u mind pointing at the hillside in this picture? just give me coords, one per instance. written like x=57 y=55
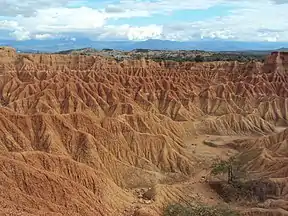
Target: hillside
x=87 y=135
x=170 y=55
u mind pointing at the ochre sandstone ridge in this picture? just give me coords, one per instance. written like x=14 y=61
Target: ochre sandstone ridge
x=79 y=133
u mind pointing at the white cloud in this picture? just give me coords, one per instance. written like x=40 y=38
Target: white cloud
x=55 y=21
x=8 y=24
x=90 y=22
x=145 y=32
x=249 y=20
x=27 y=7
x=21 y=34
x=17 y=31
x=131 y=32
x=164 y=6
x=63 y=20
x=43 y=36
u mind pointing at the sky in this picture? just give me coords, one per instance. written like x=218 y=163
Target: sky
x=178 y=20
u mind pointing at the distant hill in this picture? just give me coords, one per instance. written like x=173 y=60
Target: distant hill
x=283 y=49
x=56 y=45
x=255 y=52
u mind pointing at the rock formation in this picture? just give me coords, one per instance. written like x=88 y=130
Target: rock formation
x=78 y=133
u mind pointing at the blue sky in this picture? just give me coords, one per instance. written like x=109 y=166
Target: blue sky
x=243 y=20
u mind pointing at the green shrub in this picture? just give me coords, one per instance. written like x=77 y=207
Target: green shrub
x=231 y=192
x=199 y=58
x=237 y=186
x=142 y=50
x=230 y=167
x=198 y=210
x=220 y=167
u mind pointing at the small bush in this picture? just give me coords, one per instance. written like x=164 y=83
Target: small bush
x=107 y=49
x=230 y=167
x=198 y=210
x=220 y=168
x=199 y=58
x=141 y=50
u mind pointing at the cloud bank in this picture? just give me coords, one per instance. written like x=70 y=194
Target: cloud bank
x=258 y=20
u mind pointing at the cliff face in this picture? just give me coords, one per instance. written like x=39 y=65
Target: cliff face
x=75 y=131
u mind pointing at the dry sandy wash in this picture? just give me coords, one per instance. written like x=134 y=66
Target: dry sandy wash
x=84 y=135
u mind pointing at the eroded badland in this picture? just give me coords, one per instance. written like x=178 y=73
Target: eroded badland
x=85 y=135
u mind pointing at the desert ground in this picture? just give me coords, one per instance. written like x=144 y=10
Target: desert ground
x=88 y=135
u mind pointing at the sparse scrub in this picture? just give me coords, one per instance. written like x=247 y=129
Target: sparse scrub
x=238 y=186
x=223 y=167
x=161 y=55
x=107 y=50
x=236 y=191
x=141 y=50
x=198 y=210
x=199 y=58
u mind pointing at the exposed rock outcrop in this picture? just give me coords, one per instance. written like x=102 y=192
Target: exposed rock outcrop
x=75 y=131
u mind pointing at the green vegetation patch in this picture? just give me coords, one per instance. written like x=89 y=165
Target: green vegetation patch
x=238 y=184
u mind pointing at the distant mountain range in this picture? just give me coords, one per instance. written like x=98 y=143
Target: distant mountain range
x=55 y=45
